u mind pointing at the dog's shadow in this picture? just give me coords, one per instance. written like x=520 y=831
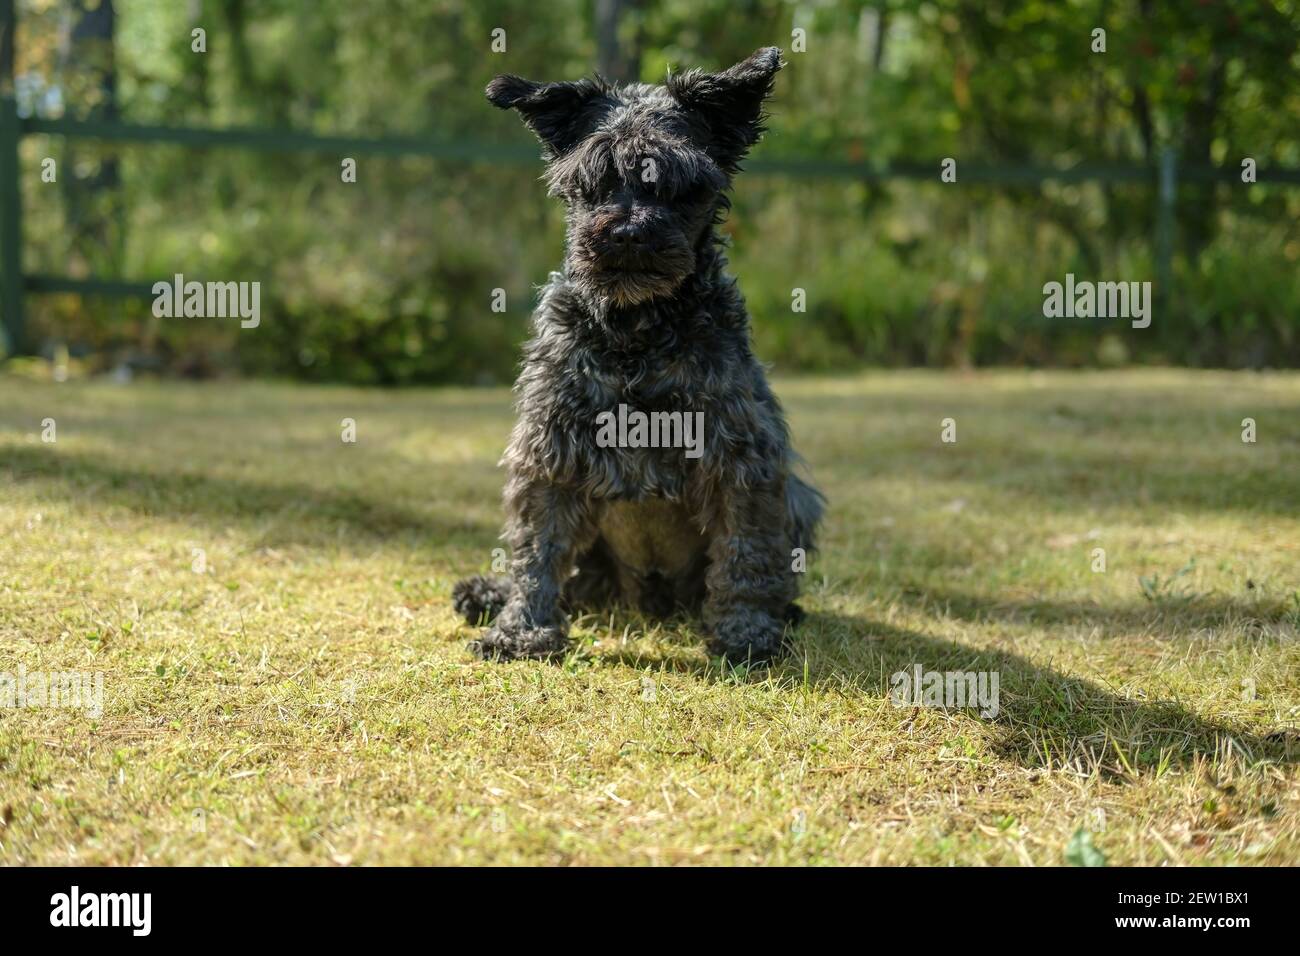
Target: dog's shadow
x=1045 y=717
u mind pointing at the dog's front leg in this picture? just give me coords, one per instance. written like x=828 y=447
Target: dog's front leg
x=749 y=582
x=548 y=525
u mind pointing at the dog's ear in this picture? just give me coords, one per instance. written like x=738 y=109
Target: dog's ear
x=731 y=102
x=554 y=111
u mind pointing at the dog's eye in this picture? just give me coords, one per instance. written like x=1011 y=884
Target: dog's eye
x=696 y=193
x=594 y=192
x=588 y=195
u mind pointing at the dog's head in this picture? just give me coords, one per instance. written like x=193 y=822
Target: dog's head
x=643 y=169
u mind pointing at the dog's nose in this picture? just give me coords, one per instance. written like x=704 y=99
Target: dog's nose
x=628 y=236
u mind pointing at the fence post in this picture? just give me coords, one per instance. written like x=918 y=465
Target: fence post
x=11 y=255
x=11 y=230
x=1167 y=197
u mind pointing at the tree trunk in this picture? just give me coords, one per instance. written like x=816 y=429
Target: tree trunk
x=618 y=56
x=89 y=74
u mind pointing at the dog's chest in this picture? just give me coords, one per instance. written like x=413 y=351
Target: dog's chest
x=648 y=430
x=651 y=535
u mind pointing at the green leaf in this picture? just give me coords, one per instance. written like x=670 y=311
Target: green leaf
x=1082 y=852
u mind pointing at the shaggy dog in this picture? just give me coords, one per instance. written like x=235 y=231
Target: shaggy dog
x=650 y=464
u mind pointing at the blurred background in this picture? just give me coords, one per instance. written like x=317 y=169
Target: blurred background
x=1060 y=154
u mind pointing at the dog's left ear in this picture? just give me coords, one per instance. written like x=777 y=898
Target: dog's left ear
x=554 y=111
x=730 y=102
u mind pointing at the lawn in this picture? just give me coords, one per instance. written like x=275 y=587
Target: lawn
x=284 y=680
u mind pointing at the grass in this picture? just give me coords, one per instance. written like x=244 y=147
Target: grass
x=305 y=696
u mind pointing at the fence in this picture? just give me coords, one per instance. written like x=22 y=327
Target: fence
x=15 y=284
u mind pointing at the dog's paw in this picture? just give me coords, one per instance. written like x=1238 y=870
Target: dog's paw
x=751 y=637
x=509 y=643
x=479 y=600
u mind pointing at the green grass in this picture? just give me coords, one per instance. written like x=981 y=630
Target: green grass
x=310 y=693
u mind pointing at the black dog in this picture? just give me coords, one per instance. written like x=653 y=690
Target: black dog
x=696 y=504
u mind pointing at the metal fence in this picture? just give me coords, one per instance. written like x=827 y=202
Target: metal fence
x=15 y=284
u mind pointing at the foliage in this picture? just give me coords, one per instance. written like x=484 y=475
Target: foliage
x=391 y=279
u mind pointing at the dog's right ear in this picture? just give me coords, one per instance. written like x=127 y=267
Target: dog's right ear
x=556 y=112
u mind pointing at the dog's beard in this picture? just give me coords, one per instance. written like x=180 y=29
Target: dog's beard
x=622 y=282
x=622 y=289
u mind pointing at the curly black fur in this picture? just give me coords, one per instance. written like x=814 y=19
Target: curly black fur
x=643 y=314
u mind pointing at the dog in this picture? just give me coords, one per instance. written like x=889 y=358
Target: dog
x=643 y=320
